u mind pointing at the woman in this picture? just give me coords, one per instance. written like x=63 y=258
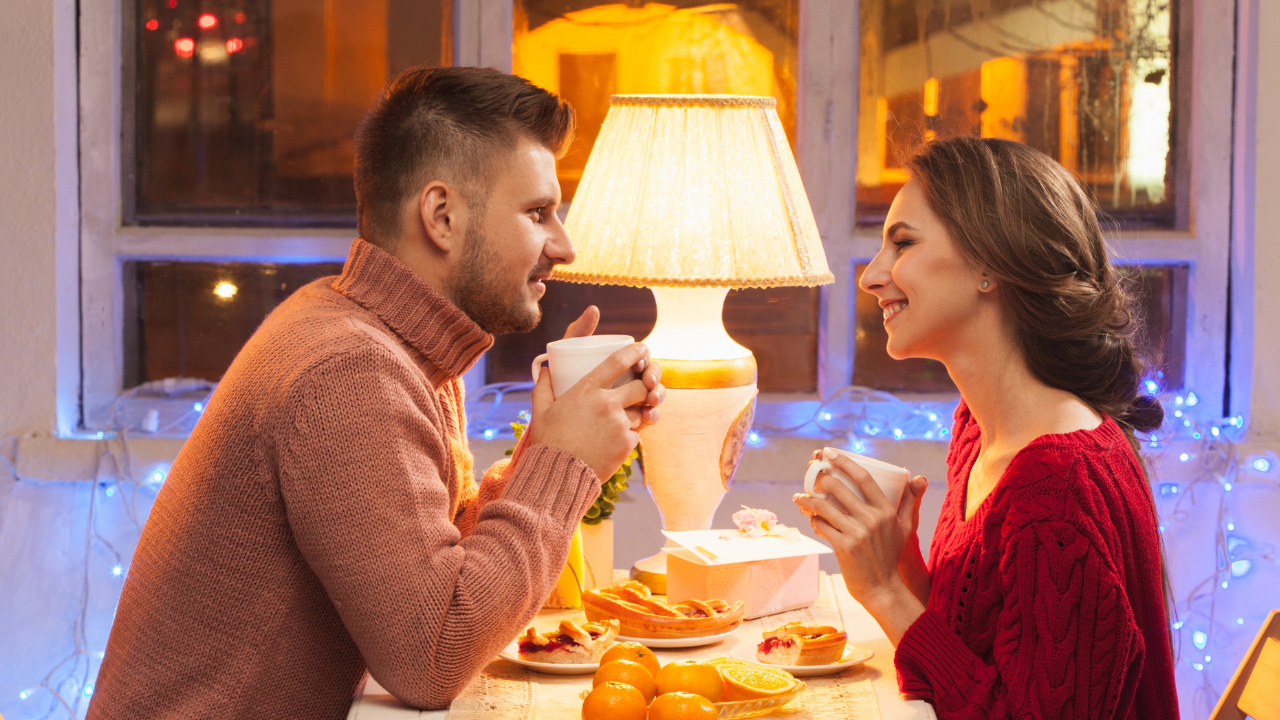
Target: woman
x=1043 y=596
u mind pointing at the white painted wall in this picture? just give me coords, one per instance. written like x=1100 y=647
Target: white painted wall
x=42 y=519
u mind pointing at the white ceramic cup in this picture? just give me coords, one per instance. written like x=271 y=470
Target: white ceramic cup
x=572 y=358
x=891 y=478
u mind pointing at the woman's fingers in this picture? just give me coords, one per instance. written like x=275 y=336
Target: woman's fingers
x=860 y=477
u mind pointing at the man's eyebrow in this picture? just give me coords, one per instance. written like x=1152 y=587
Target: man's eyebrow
x=894 y=228
x=543 y=201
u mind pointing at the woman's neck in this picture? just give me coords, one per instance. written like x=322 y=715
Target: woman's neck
x=1011 y=406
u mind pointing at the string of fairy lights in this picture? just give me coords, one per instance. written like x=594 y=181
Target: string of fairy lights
x=1194 y=452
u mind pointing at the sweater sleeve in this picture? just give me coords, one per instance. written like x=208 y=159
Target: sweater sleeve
x=361 y=477
x=1067 y=644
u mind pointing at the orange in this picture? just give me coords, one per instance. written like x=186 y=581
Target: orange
x=614 y=701
x=633 y=651
x=682 y=706
x=690 y=676
x=628 y=673
x=747 y=682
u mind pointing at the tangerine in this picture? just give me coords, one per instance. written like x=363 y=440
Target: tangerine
x=682 y=706
x=614 y=701
x=690 y=676
x=635 y=652
x=748 y=682
x=628 y=673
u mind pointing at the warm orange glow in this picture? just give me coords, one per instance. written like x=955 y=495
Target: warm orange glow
x=235 y=45
x=225 y=290
x=184 y=47
x=153 y=24
x=207 y=21
x=240 y=18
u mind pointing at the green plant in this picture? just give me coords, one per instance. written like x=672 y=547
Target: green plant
x=609 y=491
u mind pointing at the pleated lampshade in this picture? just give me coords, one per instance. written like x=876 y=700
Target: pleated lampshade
x=693 y=191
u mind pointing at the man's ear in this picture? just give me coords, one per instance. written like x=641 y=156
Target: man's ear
x=442 y=214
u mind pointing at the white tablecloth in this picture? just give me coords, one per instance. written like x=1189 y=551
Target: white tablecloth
x=375 y=703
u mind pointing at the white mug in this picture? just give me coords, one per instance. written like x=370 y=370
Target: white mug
x=891 y=478
x=572 y=358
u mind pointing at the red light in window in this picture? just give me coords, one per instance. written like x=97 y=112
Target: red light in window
x=185 y=47
x=240 y=17
x=153 y=24
x=207 y=21
x=235 y=45
x=173 y=3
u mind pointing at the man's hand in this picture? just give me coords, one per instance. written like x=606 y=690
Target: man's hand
x=593 y=421
x=585 y=324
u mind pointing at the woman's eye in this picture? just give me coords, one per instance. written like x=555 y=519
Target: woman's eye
x=902 y=244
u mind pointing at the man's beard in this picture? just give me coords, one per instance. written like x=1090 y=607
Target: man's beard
x=481 y=294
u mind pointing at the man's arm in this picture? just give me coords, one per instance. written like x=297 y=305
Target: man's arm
x=361 y=477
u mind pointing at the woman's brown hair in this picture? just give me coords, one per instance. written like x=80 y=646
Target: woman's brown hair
x=1026 y=222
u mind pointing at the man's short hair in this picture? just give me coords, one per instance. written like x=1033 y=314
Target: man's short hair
x=446 y=124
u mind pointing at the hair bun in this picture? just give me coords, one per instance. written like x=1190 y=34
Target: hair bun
x=1146 y=413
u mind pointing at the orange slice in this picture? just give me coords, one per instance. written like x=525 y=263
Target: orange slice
x=749 y=682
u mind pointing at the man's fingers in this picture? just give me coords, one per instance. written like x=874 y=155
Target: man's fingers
x=649 y=415
x=607 y=372
x=651 y=374
x=632 y=393
x=585 y=324
x=636 y=417
x=542 y=395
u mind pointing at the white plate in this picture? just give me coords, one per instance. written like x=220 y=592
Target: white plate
x=512 y=653
x=685 y=642
x=852 y=656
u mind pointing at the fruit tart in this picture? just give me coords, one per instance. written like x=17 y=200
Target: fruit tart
x=796 y=644
x=571 y=643
x=643 y=616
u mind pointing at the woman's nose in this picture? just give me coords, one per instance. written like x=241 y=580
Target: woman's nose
x=876 y=275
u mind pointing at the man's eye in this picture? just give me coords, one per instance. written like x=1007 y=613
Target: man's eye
x=538 y=214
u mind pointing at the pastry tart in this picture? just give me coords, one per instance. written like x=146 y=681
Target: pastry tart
x=643 y=616
x=572 y=643
x=796 y=644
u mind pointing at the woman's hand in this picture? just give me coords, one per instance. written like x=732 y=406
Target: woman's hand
x=869 y=539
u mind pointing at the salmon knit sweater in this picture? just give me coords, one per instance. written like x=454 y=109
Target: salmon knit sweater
x=1048 y=601
x=322 y=519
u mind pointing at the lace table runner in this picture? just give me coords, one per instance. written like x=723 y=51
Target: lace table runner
x=506 y=691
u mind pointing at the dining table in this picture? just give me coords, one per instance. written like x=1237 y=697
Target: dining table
x=505 y=690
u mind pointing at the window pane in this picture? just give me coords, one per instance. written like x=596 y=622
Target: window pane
x=190 y=319
x=778 y=325
x=1087 y=83
x=1161 y=295
x=246 y=109
x=587 y=50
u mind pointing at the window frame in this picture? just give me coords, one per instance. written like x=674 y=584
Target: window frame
x=827 y=96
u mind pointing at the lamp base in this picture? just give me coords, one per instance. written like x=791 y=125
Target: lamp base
x=652 y=572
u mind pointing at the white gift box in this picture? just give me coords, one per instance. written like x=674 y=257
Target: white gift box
x=767 y=574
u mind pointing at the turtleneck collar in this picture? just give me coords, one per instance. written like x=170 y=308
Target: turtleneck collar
x=422 y=317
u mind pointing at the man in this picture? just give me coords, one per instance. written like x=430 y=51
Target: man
x=322 y=519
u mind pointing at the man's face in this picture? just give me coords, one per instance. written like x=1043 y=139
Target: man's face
x=512 y=242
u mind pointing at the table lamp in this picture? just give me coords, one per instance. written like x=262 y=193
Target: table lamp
x=689 y=196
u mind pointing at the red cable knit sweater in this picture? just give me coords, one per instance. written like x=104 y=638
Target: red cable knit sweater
x=322 y=519
x=1048 y=602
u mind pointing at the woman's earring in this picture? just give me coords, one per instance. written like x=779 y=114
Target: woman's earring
x=986 y=285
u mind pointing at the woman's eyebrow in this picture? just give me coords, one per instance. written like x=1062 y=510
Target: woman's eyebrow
x=894 y=228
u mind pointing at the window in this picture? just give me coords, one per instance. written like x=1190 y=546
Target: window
x=235 y=160
x=246 y=109
x=1086 y=83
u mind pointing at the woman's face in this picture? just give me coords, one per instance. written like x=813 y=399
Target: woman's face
x=929 y=293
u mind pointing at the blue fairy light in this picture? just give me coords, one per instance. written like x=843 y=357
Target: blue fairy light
x=1240 y=568
x=1226 y=487
x=24 y=694
x=1262 y=465
x=897 y=433
x=117 y=571
x=198 y=407
x=1214 y=431
x=488 y=434
x=1152 y=387
x=1199 y=639
x=157 y=477
x=859 y=448
x=1197 y=666
x=88 y=690
x=1184 y=457
x=1239 y=621
x=753 y=438
x=1177 y=625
